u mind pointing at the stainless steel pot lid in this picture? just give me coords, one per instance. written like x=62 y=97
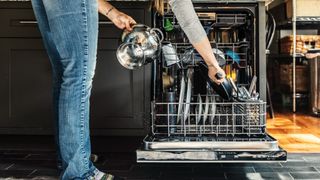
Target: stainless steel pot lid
x=130 y=55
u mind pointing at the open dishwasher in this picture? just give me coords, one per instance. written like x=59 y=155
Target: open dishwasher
x=190 y=120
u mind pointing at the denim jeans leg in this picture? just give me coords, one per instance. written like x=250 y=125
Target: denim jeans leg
x=42 y=20
x=73 y=29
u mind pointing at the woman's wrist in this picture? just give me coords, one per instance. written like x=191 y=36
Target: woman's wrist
x=213 y=64
x=109 y=11
x=105 y=8
x=112 y=14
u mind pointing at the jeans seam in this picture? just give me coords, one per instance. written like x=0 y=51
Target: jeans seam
x=85 y=164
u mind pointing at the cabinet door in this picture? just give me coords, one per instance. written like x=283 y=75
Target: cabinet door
x=27 y=103
x=118 y=101
x=4 y=84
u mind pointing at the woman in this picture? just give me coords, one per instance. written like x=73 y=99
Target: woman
x=70 y=33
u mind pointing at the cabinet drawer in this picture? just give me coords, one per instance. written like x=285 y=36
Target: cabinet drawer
x=18 y=23
x=22 y=23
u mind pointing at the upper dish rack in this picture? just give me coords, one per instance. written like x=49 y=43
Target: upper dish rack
x=185 y=56
x=219 y=20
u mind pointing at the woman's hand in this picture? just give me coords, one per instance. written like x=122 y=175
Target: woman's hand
x=213 y=70
x=121 y=20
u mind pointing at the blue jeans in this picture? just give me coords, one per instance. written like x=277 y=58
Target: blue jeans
x=70 y=33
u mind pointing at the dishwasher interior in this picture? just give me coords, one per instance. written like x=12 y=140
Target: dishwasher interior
x=190 y=122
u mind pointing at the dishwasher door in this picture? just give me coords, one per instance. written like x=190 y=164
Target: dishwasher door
x=210 y=150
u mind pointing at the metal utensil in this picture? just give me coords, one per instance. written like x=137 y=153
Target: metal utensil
x=172 y=118
x=235 y=88
x=252 y=85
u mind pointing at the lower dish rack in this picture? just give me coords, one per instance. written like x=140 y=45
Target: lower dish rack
x=220 y=132
x=208 y=116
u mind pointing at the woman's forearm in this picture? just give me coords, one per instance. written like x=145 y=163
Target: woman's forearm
x=204 y=49
x=105 y=8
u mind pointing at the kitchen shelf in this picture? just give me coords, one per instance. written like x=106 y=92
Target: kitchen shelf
x=284 y=24
x=302 y=23
x=286 y=55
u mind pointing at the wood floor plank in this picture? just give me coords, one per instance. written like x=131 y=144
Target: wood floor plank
x=296 y=132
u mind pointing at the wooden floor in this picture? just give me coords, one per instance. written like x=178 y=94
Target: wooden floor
x=296 y=132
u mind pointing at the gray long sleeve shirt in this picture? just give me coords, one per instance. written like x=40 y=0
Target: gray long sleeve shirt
x=188 y=19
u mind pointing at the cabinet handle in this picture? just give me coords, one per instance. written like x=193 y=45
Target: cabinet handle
x=28 y=22
x=35 y=22
x=105 y=22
